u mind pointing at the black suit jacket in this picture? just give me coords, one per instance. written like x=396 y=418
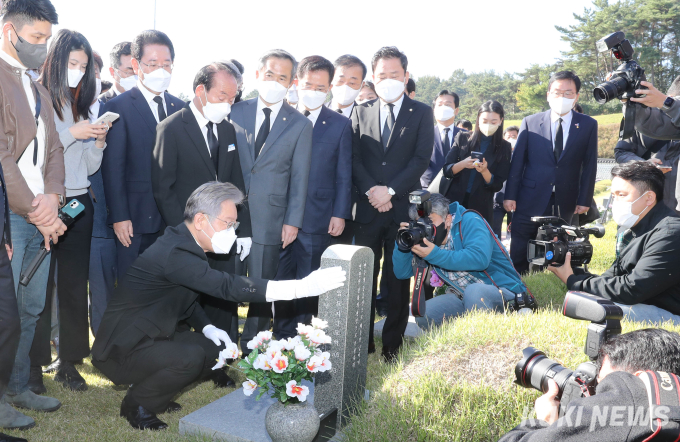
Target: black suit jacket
x=454 y=187
x=108 y=95
x=401 y=165
x=161 y=289
x=182 y=162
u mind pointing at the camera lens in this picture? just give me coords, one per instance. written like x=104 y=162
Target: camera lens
x=610 y=90
x=534 y=370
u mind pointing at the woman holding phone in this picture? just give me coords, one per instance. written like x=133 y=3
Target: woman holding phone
x=69 y=75
x=478 y=163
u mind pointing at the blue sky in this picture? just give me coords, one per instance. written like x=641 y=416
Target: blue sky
x=438 y=36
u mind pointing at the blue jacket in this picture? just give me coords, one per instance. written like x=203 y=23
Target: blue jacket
x=534 y=171
x=330 y=175
x=476 y=253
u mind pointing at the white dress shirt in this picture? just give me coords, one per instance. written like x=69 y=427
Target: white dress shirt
x=566 y=124
x=346 y=112
x=384 y=110
x=441 y=128
x=313 y=115
x=149 y=98
x=32 y=173
x=203 y=124
x=259 y=118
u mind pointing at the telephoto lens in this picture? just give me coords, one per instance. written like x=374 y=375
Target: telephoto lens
x=534 y=370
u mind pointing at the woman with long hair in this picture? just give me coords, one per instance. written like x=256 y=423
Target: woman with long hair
x=478 y=163
x=69 y=76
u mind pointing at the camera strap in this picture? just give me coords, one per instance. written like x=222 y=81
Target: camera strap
x=663 y=394
x=418 y=300
x=38 y=106
x=500 y=246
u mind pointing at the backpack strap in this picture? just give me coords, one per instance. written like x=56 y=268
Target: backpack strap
x=663 y=395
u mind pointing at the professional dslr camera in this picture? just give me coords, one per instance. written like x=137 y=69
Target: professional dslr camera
x=534 y=369
x=545 y=250
x=624 y=81
x=422 y=227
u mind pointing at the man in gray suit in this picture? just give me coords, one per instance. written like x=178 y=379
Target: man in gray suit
x=275 y=148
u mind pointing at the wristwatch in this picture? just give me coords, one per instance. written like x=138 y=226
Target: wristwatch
x=668 y=103
x=391 y=191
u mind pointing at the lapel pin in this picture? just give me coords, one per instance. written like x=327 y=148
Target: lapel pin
x=576 y=125
x=323 y=122
x=172 y=104
x=410 y=110
x=284 y=118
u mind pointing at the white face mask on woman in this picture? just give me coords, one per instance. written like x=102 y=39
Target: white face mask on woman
x=221 y=241
x=74 y=77
x=488 y=129
x=622 y=213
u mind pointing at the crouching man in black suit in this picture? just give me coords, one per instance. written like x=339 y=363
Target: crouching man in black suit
x=139 y=341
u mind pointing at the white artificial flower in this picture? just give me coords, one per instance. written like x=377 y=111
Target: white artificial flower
x=279 y=363
x=319 y=337
x=304 y=330
x=249 y=387
x=262 y=363
x=231 y=352
x=319 y=323
x=302 y=353
x=291 y=343
x=298 y=391
x=264 y=335
x=314 y=364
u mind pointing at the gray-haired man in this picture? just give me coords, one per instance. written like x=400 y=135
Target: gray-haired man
x=275 y=149
x=138 y=342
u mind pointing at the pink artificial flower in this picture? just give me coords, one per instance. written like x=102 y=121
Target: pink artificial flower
x=298 y=391
x=279 y=363
x=435 y=281
x=249 y=386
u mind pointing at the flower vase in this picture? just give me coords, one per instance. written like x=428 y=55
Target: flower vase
x=292 y=422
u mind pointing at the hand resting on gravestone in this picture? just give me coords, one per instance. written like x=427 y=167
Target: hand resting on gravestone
x=318 y=282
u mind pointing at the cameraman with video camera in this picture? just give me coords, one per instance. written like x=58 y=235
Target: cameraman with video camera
x=644 y=279
x=465 y=255
x=620 y=409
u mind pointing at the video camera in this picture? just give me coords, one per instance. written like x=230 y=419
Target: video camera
x=545 y=250
x=624 y=81
x=422 y=227
x=534 y=369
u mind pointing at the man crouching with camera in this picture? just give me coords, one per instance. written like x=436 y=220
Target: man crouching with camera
x=463 y=252
x=644 y=279
x=620 y=410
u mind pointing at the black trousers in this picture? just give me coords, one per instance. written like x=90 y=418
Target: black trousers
x=125 y=256
x=160 y=371
x=380 y=235
x=347 y=235
x=72 y=255
x=296 y=261
x=9 y=318
x=222 y=313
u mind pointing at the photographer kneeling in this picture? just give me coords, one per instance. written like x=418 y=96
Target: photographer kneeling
x=644 y=278
x=467 y=257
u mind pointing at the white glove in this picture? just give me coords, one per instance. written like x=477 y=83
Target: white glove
x=216 y=335
x=317 y=283
x=243 y=246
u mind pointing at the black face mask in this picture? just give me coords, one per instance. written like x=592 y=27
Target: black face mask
x=440 y=234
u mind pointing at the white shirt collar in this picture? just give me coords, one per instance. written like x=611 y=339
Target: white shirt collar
x=566 y=119
x=346 y=112
x=200 y=119
x=313 y=115
x=397 y=105
x=12 y=61
x=441 y=127
x=274 y=107
x=115 y=89
x=148 y=94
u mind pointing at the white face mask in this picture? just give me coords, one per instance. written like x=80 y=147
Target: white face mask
x=74 y=77
x=312 y=99
x=158 y=80
x=99 y=88
x=561 y=105
x=344 y=95
x=443 y=113
x=221 y=241
x=622 y=213
x=389 y=90
x=488 y=129
x=128 y=82
x=272 y=91
x=292 y=95
x=512 y=142
x=215 y=112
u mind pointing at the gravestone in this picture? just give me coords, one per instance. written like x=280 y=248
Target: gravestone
x=348 y=312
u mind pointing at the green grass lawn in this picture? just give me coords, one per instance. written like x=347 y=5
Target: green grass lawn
x=454 y=383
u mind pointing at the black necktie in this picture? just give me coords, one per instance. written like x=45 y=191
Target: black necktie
x=161 y=110
x=263 y=132
x=339 y=111
x=213 y=145
x=447 y=141
x=389 y=125
x=559 y=140
x=306 y=113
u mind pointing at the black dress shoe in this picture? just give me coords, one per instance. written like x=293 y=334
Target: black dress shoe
x=56 y=365
x=8 y=438
x=35 y=381
x=221 y=379
x=69 y=377
x=139 y=417
x=173 y=407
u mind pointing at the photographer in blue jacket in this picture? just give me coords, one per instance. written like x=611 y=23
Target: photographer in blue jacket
x=468 y=259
